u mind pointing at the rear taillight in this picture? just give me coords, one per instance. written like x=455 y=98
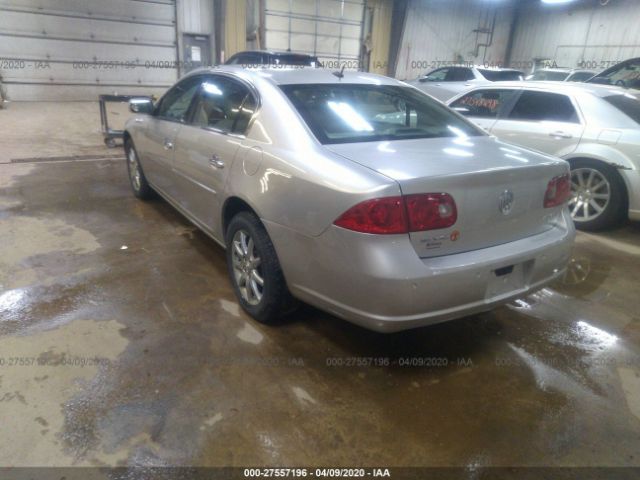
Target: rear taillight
x=380 y=215
x=558 y=191
x=430 y=211
x=389 y=215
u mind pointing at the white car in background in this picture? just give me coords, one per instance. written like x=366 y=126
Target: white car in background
x=595 y=128
x=446 y=82
x=561 y=75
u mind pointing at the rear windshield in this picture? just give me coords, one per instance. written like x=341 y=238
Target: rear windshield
x=501 y=75
x=628 y=104
x=294 y=60
x=348 y=113
x=543 y=75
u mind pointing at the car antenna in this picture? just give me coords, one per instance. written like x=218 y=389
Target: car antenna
x=340 y=74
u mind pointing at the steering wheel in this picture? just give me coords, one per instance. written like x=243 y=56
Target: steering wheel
x=621 y=83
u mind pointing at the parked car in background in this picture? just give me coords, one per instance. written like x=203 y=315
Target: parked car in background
x=561 y=75
x=353 y=192
x=273 y=59
x=444 y=83
x=595 y=128
x=625 y=74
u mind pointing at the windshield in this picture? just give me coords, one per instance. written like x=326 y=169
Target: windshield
x=628 y=104
x=501 y=75
x=348 y=113
x=624 y=75
x=543 y=75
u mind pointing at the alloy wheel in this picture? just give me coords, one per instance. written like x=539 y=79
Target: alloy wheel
x=134 y=170
x=247 y=269
x=590 y=194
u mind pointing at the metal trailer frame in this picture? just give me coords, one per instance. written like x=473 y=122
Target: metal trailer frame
x=109 y=134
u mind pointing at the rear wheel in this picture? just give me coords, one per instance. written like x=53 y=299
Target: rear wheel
x=139 y=184
x=255 y=271
x=598 y=195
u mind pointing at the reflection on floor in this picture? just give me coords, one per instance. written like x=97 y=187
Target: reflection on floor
x=121 y=343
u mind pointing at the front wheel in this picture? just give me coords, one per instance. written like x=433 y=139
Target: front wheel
x=255 y=271
x=598 y=195
x=139 y=184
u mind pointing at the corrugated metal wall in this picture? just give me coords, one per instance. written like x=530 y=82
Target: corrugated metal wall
x=586 y=31
x=330 y=29
x=76 y=49
x=453 y=30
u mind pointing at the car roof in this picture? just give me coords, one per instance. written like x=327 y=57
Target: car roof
x=273 y=52
x=288 y=75
x=562 y=87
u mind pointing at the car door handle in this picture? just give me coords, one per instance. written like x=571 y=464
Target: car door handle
x=560 y=134
x=215 y=161
x=139 y=120
x=168 y=145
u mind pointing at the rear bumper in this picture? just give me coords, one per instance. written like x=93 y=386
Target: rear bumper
x=380 y=283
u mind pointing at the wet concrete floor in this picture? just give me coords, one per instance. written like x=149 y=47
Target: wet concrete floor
x=121 y=343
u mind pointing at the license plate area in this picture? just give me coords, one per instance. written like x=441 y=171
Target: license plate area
x=508 y=279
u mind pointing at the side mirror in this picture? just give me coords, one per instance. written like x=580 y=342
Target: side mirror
x=141 y=105
x=423 y=79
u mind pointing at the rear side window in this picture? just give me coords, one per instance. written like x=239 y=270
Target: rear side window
x=501 y=75
x=541 y=106
x=483 y=103
x=628 y=104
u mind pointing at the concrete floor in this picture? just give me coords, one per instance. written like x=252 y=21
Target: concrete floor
x=121 y=343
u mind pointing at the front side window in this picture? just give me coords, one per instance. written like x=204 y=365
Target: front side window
x=348 y=113
x=628 y=104
x=542 y=106
x=436 y=75
x=223 y=104
x=175 y=104
x=483 y=103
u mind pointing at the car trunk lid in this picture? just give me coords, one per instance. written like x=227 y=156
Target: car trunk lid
x=498 y=188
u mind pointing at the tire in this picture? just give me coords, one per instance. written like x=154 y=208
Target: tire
x=138 y=181
x=599 y=195
x=247 y=241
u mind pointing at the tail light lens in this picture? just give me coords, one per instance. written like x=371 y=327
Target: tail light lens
x=558 y=191
x=380 y=215
x=430 y=211
x=389 y=215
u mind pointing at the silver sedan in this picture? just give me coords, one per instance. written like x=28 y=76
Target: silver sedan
x=352 y=192
x=595 y=128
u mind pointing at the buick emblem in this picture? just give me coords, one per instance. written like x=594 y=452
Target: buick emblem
x=506 y=202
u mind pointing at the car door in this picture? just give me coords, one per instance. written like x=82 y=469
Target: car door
x=484 y=106
x=544 y=121
x=207 y=146
x=158 y=142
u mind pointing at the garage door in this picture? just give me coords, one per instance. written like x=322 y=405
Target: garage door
x=329 y=29
x=76 y=49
